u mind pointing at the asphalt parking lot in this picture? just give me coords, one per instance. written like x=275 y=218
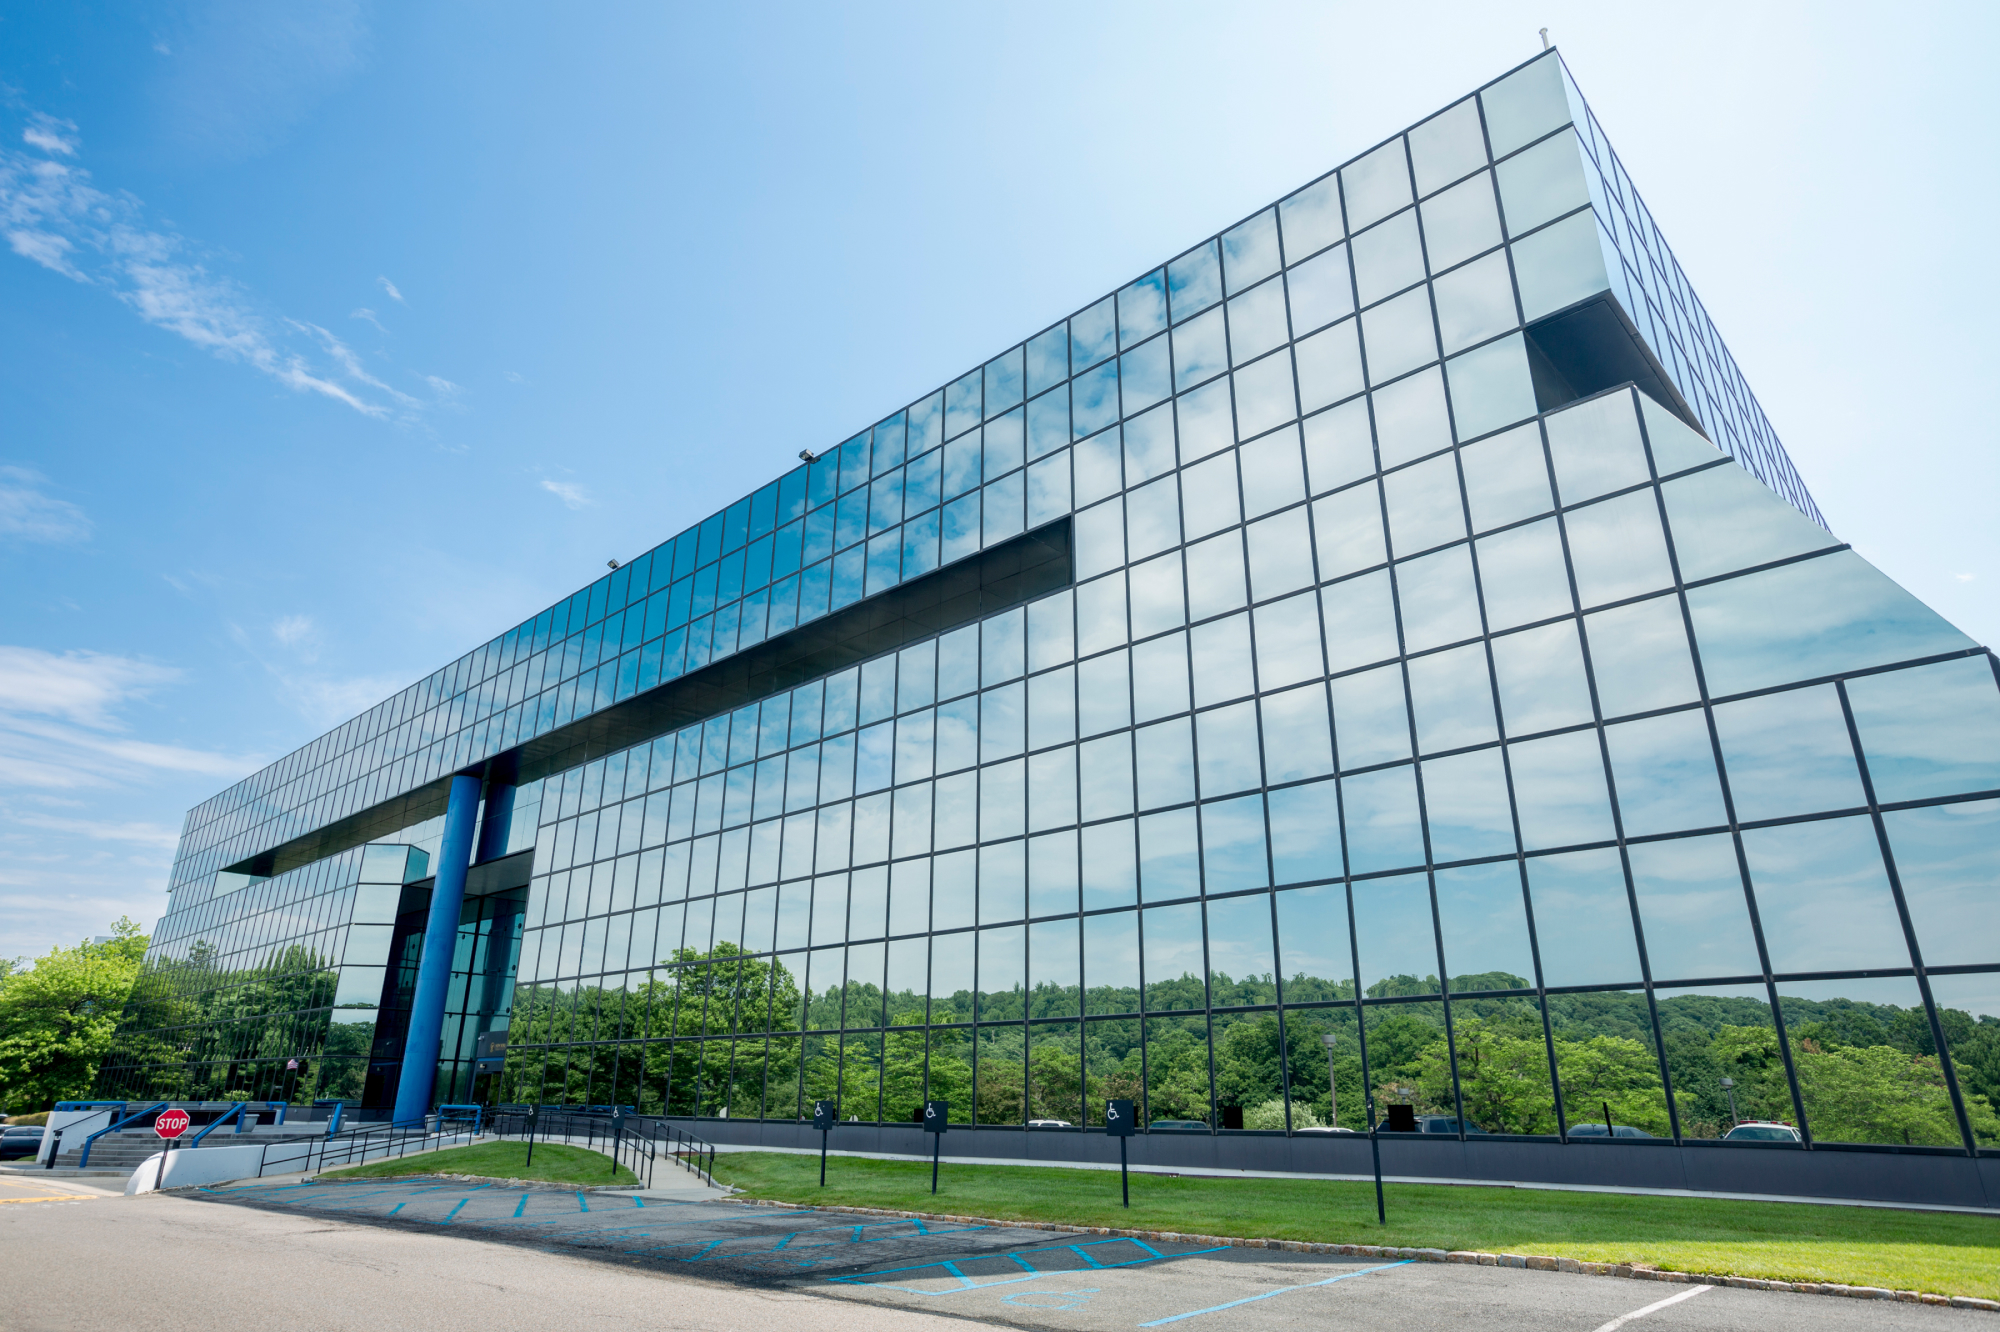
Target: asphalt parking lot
x=435 y=1253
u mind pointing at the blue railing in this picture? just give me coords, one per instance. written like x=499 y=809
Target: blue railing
x=445 y=1112
x=235 y=1112
x=83 y=1161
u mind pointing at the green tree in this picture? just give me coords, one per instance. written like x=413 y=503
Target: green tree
x=59 y=1017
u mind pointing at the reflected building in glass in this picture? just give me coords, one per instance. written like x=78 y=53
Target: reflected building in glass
x=1393 y=619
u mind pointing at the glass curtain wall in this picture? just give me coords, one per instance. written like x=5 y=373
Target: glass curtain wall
x=1560 y=755
x=1472 y=718
x=1496 y=211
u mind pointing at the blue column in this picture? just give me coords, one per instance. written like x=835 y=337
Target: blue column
x=420 y=1049
x=495 y=825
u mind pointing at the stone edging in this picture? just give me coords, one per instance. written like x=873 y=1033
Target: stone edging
x=1636 y=1271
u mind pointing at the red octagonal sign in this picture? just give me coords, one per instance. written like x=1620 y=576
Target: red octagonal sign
x=171 y=1123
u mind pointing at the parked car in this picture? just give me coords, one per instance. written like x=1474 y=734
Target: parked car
x=1762 y=1130
x=1324 y=1128
x=1435 y=1124
x=1193 y=1124
x=23 y=1140
x=1594 y=1129
x=1048 y=1123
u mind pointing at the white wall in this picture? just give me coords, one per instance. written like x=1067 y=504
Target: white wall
x=215 y=1165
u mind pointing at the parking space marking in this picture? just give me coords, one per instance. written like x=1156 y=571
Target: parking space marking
x=1654 y=1307
x=949 y=1268
x=1286 y=1290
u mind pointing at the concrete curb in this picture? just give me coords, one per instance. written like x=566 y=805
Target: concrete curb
x=556 y=1185
x=1532 y=1262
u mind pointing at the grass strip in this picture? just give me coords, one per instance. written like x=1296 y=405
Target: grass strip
x=555 y=1163
x=1939 y=1252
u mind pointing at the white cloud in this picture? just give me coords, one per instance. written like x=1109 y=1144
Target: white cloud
x=390 y=287
x=349 y=362
x=59 y=727
x=51 y=135
x=365 y=313
x=157 y=836
x=26 y=513
x=53 y=215
x=80 y=687
x=569 y=492
x=441 y=386
x=295 y=631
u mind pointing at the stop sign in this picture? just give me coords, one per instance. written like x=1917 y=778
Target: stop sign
x=171 y=1123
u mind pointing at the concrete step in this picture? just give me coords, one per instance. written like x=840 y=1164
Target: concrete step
x=128 y=1149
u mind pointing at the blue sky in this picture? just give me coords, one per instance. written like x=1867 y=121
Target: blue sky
x=336 y=338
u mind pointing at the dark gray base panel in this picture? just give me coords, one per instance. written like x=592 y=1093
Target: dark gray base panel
x=1872 y=1176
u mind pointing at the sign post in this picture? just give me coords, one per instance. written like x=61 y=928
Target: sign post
x=534 y=1114
x=937 y=1118
x=1121 y=1124
x=825 y=1115
x=169 y=1124
x=617 y=1136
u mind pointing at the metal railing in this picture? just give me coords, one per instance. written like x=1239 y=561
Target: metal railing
x=636 y=1142
x=390 y=1141
x=235 y=1112
x=83 y=1159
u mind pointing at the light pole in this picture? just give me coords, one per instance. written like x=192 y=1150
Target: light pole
x=1332 y=1106
x=1729 y=1086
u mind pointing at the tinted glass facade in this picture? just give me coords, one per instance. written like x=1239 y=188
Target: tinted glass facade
x=1449 y=662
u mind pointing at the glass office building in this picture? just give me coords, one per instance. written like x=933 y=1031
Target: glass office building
x=1392 y=620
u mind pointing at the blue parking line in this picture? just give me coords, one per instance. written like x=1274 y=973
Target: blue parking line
x=1019 y=1257
x=454 y=1211
x=1252 y=1299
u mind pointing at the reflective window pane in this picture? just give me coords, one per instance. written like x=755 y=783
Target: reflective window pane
x=1865 y=1071
x=1817 y=617
x=1485 y=928
x=1461 y=222
x=1465 y=797
x=1522 y=573
x=1692 y=905
x=1640 y=656
x=1596 y=447
x=1788 y=754
x=1542 y=684
x=1724 y=519
x=1423 y=504
x=1929 y=731
x=1823 y=897
x=1379 y=812
x=1948 y=858
x=1617 y=549
x=1665 y=771
x=1398 y=946
x=1583 y=919
x=1559 y=790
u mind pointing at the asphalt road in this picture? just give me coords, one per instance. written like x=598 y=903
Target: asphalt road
x=399 y=1255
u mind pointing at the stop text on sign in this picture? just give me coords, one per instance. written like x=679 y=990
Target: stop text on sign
x=171 y=1123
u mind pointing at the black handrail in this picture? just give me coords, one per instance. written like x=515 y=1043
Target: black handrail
x=377 y=1144
x=634 y=1141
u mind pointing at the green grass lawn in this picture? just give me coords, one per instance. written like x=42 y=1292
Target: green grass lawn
x=555 y=1163
x=1860 y=1246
